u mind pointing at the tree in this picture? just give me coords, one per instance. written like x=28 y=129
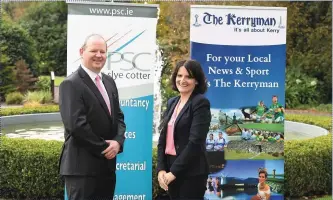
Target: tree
x=6 y=75
x=24 y=79
x=47 y=24
x=310 y=43
x=18 y=43
x=15 y=9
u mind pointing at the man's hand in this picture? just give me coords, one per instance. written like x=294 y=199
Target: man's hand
x=161 y=179
x=168 y=178
x=112 y=150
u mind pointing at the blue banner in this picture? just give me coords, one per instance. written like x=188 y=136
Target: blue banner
x=243 y=53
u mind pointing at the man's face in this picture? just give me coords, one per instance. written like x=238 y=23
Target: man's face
x=94 y=54
x=220 y=135
x=274 y=99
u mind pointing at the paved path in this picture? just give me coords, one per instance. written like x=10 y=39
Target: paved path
x=4 y=105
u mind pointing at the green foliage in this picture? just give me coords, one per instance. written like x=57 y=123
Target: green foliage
x=14 y=98
x=173 y=39
x=42 y=96
x=6 y=74
x=309 y=41
x=47 y=24
x=18 y=44
x=29 y=110
x=9 y=9
x=300 y=88
x=44 y=83
x=166 y=86
x=29 y=168
x=308 y=166
x=156 y=187
x=15 y=9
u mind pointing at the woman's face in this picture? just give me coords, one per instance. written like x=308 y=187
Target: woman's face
x=185 y=84
x=262 y=177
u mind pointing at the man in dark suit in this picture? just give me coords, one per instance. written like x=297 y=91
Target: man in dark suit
x=94 y=126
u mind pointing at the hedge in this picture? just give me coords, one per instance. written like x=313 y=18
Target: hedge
x=308 y=166
x=29 y=110
x=29 y=168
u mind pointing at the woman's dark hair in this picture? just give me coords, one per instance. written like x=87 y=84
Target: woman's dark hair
x=262 y=171
x=195 y=71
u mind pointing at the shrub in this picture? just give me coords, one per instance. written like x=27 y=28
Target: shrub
x=300 y=87
x=308 y=166
x=38 y=96
x=157 y=190
x=14 y=98
x=44 y=83
x=29 y=168
x=29 y=110
x=31 y=104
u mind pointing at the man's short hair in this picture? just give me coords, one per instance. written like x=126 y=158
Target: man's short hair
x=91 y=36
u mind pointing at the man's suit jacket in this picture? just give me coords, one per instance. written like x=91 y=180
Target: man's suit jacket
x=190 y=132
x=88 y=124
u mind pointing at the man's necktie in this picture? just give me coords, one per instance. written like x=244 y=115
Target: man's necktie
x=105 y=97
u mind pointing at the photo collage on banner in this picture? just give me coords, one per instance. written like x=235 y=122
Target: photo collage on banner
x=130 y=33
x=243 y=53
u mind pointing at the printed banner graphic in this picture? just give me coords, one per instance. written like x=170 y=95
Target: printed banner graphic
x=130 y=31
x=243 y=53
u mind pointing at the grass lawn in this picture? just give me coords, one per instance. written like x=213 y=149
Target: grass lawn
x=58 y=80
x=234 y=155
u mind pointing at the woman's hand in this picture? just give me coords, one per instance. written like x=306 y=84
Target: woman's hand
x=168 y=178
x=161 y=178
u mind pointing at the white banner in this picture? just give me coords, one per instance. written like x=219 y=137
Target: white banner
x=130 y=31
